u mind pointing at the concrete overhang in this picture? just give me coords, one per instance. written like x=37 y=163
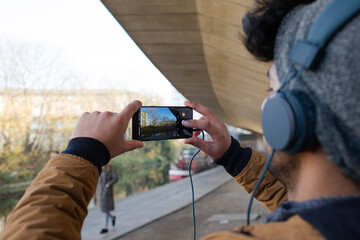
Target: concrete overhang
x=196 y=45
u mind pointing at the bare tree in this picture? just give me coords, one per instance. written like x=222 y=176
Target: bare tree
x=40 y=102
x=28 y=74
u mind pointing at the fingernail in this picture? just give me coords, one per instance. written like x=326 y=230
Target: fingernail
x=185 y=123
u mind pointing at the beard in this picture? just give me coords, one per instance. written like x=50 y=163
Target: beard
x=284 y=167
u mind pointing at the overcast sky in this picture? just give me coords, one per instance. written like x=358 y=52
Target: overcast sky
x=89 y=39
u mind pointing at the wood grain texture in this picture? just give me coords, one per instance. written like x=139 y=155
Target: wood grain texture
x=197 y=45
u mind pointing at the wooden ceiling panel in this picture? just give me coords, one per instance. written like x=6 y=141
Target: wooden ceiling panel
x=149 y=7
x=236 y=61
x=163 y=22
x=219 y=28
x=246 y=4
x=222 y=44
x=196 y=45
x=163 y=37
x=226 y=11
x=172 y=49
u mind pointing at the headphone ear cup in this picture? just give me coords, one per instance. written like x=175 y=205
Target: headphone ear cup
x=278 y=122
x=288 y=121
x=305 y=120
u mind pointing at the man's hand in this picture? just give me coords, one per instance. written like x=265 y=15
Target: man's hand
x=109 y=128
x=220 y=140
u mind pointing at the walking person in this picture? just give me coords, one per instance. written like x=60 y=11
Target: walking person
x=108 y=178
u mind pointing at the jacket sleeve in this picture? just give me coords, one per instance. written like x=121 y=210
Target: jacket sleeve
x=271 y=192
x=55 y=205
x=245 y=166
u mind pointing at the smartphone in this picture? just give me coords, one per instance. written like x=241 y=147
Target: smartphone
x=161 y=123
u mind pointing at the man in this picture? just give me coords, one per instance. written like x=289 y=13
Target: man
x=320 y=196
x=314 y=194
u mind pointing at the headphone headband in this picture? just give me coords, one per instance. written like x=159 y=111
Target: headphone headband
x=335 y=15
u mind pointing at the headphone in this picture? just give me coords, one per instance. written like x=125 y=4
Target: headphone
x=288 y=119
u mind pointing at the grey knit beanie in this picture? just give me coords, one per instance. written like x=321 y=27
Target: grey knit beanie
x=334 y=86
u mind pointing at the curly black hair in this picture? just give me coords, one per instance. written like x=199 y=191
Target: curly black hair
x=261 y=24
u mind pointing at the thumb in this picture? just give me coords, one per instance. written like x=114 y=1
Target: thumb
x=133 y=144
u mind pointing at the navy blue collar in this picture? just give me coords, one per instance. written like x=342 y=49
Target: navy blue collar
x=334 y=217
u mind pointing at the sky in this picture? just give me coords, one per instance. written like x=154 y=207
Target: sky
x=164 y=113
x=89 y=39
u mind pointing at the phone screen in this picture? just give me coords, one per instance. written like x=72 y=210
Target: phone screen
x=160 y=123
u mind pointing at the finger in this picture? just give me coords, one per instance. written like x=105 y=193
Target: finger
x=199 y=143
x=96 y=113
x=133 y=144
x=196 y=133
x=199 y=124
x=199 y=108
x=202 y=118
x=130 y=109
x=108 y=114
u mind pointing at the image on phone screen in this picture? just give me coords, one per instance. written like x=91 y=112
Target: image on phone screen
x=160 y=123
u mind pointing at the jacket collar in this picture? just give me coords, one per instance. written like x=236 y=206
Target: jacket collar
x=334 y=217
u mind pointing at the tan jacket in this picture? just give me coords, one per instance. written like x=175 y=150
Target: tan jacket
x=55 y=204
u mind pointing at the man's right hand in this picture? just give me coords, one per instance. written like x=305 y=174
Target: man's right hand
x=220 y=138
x=109 y=128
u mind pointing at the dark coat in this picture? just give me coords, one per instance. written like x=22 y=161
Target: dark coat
x=105 y=194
